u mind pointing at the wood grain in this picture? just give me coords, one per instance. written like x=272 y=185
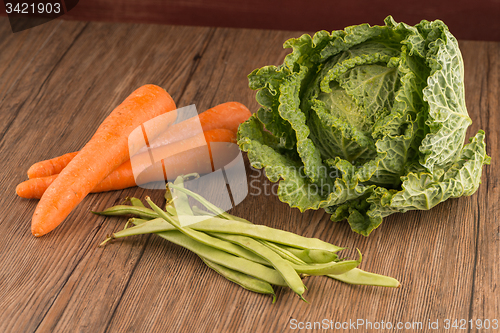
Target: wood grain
x=58 y=82
x=483 y=77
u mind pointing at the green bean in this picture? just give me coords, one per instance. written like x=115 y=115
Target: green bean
x=179 y=185
x=215 y=224
x=283 y=253
x=159 y=224
x=135 y=202
x=200 y=212
x=278 y=236
x=246 y=281
x=216 y=210
x=282 y=266
x=223 y=258
x=207 y=239
x=147 y=227
x=119 y=210
x=180 y=199
x=332 y=268
x=168 y=196
x=312 y=256
x=253 y=256
x=137 y=221
x=360 y=277
x=170 y=210
x=140 y=227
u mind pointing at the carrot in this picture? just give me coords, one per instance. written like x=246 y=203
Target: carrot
x=105 y=151
x=174 y=163
x=141 y=161
x=121 y=178
x=135 y=141
x=35 y=187
x=186 y=157
x=227 y=115
x=50 y=167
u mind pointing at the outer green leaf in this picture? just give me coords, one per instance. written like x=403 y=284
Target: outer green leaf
x=448 y=119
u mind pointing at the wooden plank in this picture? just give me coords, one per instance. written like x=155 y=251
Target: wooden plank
x=57 y=113
x=20 y=252
x=482 y=61
x=18 y=50
x=21 y=67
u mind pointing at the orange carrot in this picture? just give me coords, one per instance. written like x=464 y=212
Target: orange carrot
x=175 y=162
x=184 y=157
x=50 y=167
x=105 y=151
x=35 y=187
x=143 y=160
x=227 y=115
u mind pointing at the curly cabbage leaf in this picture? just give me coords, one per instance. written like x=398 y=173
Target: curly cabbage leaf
x=366 y=122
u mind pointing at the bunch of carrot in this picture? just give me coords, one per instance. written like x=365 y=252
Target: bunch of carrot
x=104 y=163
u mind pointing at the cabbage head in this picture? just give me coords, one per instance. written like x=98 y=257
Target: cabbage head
x=366 y=122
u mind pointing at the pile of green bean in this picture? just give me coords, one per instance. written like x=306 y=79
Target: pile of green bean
x=253 y=256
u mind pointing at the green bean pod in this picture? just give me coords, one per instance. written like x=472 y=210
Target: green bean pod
x=213 y=224
x=312 y=256
x=180 y=199
x=170 y=210
x=278 y=236
x=360 y=277
x=223 y=258
x=253 y=256
x=245 y=281
x=120 y=210
x=332 y=268
x=286 y=270
x=207 y=239
x=283 y=253
x=216 y=210
x=136 y=220
x=198 y=211
x=135 y=202
x=142 y=227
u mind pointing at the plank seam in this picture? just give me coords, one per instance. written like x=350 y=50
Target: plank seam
x=85 y=251
x=477 y=218
x=476 y=254
x=474 y=269
x=106 y=329
x=218 y=83
x=196 y=61
x=16 y=113
x=29 y=63
x=57 y=64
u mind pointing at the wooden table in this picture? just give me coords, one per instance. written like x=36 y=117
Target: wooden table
x=58 y=81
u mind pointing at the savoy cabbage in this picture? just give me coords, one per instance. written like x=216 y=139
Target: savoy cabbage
x=366 y=122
